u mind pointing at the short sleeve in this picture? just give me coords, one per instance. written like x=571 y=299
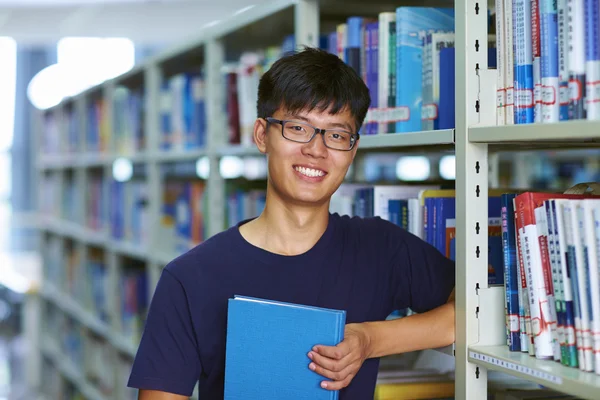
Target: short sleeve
x=168 y=358
x=423 y=278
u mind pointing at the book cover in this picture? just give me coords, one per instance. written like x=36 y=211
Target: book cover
x=412 y=23
x=267 y=348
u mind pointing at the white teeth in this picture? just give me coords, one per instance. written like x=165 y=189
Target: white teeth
x=310 y=172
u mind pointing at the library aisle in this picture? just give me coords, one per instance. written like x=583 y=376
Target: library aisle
x=126 y=140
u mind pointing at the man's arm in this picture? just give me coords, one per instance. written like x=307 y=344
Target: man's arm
x=156 y=395
x=428 y=330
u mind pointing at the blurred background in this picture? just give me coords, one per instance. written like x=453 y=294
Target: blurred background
x=51 y=50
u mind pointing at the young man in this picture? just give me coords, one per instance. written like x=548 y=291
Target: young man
x=310 y=107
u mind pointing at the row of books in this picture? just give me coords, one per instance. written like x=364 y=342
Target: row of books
x=552 y=266
x=242 y=204
x=87 y=283
x=405 y=57
x=240 y=80
x=134 y=302
x=548 y=61
x=426 y=211
x=183 y=215
x=411 y=45
x=543 y=248
x=129 y=133
x=61 y=132
x=84 y=351
x=128 y=212
x=182 y=111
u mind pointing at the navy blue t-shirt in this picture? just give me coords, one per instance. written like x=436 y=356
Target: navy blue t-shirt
x=368 y=267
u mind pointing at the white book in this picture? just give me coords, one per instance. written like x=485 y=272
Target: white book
x=247 y=85
x=500 y=61
x=557 y=284
x=536 y=289
x=591 y=244
x=570 y=216
x=542 y=223
x=571 y=323
x=509 y=62
x=415 y=217
x=582 y=283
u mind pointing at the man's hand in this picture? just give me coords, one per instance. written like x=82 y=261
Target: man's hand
x=341 y=363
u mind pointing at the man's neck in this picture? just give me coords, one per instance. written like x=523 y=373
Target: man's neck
x=287 y=229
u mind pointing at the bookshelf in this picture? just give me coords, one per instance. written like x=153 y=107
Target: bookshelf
x=77 y=172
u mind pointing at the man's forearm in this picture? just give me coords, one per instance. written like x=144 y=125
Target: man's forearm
x=428 y=330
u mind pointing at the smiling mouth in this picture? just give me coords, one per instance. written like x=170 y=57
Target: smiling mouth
x=310 y=172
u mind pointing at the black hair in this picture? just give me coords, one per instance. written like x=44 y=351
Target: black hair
x=312 y=78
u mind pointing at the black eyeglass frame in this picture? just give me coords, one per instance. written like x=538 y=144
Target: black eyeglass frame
x=354 y=137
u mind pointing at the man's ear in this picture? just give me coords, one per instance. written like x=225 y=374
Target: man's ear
x=260 y=135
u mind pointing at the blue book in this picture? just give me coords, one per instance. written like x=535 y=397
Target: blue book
x=510 y=263
x=267 y=349
x=446 y=113
x=412 y=23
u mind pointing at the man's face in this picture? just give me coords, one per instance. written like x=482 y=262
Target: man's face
x=306 y=173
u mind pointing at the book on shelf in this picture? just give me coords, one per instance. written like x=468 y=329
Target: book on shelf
x=182 y=111
x=548 y=61
x=265 y=336
x=551 y=262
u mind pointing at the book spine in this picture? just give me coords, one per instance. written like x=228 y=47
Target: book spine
x=549 y=61
x=384 y=68
x=509 y=61
x=569 y=306
x=556 y=279
x=576 y=57
x=548 y=310
x=596 y=270
x=537 y=53
x=563 y=62
x=534 y=275
x=523 y=62
x=427 y=112
x=522 y=283
x=500 y=63
x=374 y=33
x=592 y=58
x=572 y=271
x=510 y=274
x=583 y=285
x=392 y=73
x=591 y=247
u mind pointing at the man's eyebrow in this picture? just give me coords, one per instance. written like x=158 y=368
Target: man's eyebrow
x=342 y=125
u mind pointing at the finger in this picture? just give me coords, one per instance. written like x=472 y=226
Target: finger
x=337 y=385
x=336 y=352
x=334 y=375
x=329 y=363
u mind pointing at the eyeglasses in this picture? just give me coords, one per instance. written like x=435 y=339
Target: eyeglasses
x=301 y=132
